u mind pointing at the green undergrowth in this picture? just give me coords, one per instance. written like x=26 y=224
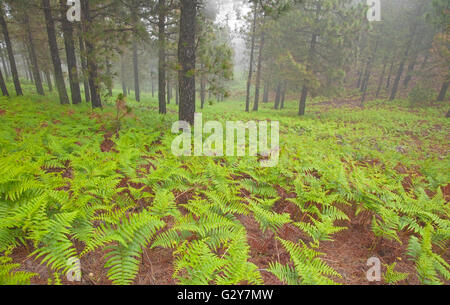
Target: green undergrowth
x=62 y=197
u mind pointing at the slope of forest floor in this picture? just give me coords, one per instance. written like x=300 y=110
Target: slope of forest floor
x=352 y=183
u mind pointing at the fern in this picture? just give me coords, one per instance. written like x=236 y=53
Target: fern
x=309 y=269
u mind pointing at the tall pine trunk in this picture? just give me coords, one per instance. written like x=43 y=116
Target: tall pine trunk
x=410 y=72
x=186 y=59
x=134 y=20
x=162 y=56
x=122 y=76
x=169 y=95
x=283 y=95
x=368 y=74
x=48 y=80
x=92 y=67
x=252 y=52
x=33 y=58
x=391 y=70
x=380 y=82
x=311 y=54
x=258 y=73
x=443 y=91
x=70 y=55
x=54 y=53
x=12 y=61
x=266 y=93
x=202 y=89
x=3 y=85
x=278 y=97
x=87 y=92
x=4 y=64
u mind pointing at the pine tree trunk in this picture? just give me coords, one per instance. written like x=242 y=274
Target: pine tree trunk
x=134 y=20
x=391 y=70
x=302 y=104
x=202 y=90
x=311 y=54
x=122 y=76
x=278 y=97
x=258 y=73
x=358 y=85
x=109 y=77
x=266 y=93
x=443 y=91
x=49 y=80
x=252 y=51
x=92 y=67
x=369 y=73
x=410 y=72
x=3 y=85
x=380 y=82
x=177 y=95
x=70 y=55
x=162 y=56
x=283 y=95
x=186 y=59
x=5 y=66
x=153 y=84
x=169 y=95
x=28 y=68
x=87 y=94
x=54 y=53
x=32 y=52
x=12 y=61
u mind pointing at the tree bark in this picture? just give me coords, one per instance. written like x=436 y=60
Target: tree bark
x=252 y=51
x=12 y=61
x=3 y=85
x=283 y=95
x=87 y=94
x=54 y=53
x=380 y=82
x=258 y=73
x=169 y=95
x=122 y=76
x=266 y=93
x=4 y=64
x=202 y=90
x=92 y=67
x=312 y=48
x=410 y=72
x=177 y=95
x=70 y=55
x=186 y=58
x=302 y=105
x=134 y=20
x=443 y=91
x=368 y=74
x=34 y=62
x=278 y=97
x=28 y=67
x=391 y=70
x=162 y=57
x=49 y=80
x=109 y=77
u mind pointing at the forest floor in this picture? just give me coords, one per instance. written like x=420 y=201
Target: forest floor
x=340 y=157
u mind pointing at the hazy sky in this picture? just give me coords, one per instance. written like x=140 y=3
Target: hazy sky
x=232 y=12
